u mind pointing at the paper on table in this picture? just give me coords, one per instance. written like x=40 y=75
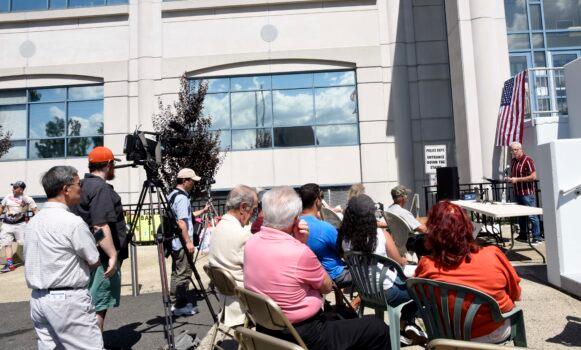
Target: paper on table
x=409 y=270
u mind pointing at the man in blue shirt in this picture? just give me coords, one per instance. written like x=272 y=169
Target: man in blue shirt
x=322 y=235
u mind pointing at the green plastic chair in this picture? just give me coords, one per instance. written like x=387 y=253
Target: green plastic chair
x=368 y=272
x=441 y=323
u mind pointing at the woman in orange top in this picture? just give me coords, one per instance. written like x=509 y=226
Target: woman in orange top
x=456 y=258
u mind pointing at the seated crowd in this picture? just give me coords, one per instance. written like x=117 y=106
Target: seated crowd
x=292 y=256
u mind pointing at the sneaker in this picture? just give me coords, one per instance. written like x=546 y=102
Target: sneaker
x=537 y=241
x=7 y=268
x=173 y=307
x=187 y=310
x=521 y=239
x=416 y=334
x=405 y=340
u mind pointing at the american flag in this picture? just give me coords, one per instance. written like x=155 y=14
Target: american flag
x=512 y=111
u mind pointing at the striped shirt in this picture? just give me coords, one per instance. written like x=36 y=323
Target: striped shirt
x=58 y=249
x=521 y=168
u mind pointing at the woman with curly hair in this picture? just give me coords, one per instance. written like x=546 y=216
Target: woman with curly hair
x=359 y=232
x=456 y=258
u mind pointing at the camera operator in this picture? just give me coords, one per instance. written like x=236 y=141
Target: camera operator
x=101 y=208
x=181 y=271
x=59 y=251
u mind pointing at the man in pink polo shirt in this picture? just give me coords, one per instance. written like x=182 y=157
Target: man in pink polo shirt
x=278 y=264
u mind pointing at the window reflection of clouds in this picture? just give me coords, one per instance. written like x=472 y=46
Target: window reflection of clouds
x=86 y=93
x=13 y=119
x=293 y=107
x=218 y=107
x=291 y=81
x=217 y=85
x=334 y=78
x=516 y=15
x=250 y=83
x=85 y=118
x=562 y=14
x=251 y=139
x=337 y=135
x=47 y=95
x=335 y=105
x=47 y=120
x=251 y=109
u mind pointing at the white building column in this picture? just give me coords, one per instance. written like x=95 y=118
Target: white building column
x=479 y=66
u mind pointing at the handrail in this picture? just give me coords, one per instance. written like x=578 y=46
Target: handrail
x=576 y=188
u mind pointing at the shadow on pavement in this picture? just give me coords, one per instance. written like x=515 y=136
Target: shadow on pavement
x=124 y=337
x=570 y=334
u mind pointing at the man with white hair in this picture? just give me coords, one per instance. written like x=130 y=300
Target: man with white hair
x=228 y=240
x=278 y=264
x=523 y=175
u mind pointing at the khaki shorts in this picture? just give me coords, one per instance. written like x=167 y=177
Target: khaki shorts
x=11 y=233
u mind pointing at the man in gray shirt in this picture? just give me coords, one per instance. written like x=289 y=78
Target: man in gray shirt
x=60 y=251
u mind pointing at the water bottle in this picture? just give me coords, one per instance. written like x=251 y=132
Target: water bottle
x=503 y=197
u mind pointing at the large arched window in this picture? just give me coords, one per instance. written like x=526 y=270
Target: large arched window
x=283 y=110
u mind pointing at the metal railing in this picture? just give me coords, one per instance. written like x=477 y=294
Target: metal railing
x=546 y=93
x=492 y=190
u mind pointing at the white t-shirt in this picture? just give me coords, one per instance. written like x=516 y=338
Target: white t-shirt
x=16 y=207
x=405 y=214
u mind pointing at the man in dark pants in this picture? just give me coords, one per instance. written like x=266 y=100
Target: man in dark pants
x=101 y=209
x=523 y=175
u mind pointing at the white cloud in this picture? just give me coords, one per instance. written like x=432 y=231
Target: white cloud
x=293 y=107
x=86 y=93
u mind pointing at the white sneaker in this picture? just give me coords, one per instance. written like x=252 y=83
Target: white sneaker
x=416 y=334
x=187 y=310
x=173 y=307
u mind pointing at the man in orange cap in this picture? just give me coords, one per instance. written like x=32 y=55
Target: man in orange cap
x=101 y=208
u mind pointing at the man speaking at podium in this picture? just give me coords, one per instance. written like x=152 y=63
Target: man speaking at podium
x=523 y=176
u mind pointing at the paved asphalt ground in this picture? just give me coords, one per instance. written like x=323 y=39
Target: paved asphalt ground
x=136 y=324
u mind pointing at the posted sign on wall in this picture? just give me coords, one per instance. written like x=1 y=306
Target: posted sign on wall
x=435 y=157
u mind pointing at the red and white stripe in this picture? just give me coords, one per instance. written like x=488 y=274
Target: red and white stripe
x=511 y=117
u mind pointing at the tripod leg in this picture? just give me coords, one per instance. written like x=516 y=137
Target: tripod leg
x=204 y=294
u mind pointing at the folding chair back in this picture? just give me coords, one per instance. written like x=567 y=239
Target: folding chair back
x=477 y=228
x=445 y=320
x=252 y=340
x=399 y=230
x=331 y=217
x=415 y=205
x=222 y=279
x=265 y=312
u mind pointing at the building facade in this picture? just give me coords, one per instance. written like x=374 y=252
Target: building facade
x=333 y=92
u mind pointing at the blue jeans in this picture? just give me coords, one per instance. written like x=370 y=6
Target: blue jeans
x=397 y=295
x=522 y=221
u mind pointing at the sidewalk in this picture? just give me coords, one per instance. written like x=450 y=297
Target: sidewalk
x=552 y=318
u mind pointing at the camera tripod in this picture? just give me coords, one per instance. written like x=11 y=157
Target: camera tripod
x=150 y=187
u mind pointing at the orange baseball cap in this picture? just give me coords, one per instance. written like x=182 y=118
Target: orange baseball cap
x=101 y=154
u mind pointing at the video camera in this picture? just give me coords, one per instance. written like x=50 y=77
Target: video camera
x=147 y=148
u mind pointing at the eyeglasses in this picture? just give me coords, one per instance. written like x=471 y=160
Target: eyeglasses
x=75 y=183
x=322 y=195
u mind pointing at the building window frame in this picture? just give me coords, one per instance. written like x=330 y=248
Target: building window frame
x=29 y=139
x=49 y=5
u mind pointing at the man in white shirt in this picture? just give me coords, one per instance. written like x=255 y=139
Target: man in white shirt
x=399 y=194
x=228 y=240
x=60 y=251
x=14 y=207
